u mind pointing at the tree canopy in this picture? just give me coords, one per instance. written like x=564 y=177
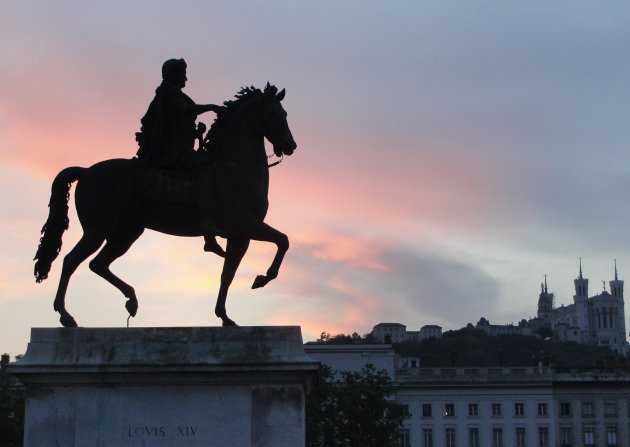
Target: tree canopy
x=11 y=412
x=349 y=339
x=474 y=347
x=353 y=410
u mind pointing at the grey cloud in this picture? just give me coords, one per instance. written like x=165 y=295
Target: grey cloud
x=419 y=287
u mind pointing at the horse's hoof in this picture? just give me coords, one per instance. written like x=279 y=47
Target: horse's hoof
x=226 y=321
x=132 y=307
x=66 y=320
x=229 y=323
x=260 y=281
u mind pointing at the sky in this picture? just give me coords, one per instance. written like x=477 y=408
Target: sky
x=450 y=154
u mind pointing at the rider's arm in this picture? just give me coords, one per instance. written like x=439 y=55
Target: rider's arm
x=198 y=109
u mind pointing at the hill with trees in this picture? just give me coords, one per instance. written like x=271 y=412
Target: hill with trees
x=474 y=347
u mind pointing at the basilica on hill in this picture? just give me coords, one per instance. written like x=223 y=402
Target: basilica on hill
x=597 y=320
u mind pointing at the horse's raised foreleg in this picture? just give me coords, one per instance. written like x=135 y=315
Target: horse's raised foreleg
x=234 y=251
x=266 y=233
x=88 y=244
x=116 y=246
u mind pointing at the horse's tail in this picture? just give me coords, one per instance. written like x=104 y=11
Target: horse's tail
x=57 y=223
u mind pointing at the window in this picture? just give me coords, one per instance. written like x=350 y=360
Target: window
x=542 y=409
x=589 y=437
x=404 y=438
x=520 y=436
x=587 y=409
x=566 y=437
x=473 y=410
x=611 y=436
x=449 y=410
x=450 y=437
x=427 y=411
x=519 y=409
x=473 y=437
x=565 y=409
x=427 y=437
x=497 y=437
x=543 y=437
x=610 y=409
x=496 y=409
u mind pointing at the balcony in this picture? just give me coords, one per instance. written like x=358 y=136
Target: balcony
x=472 y=375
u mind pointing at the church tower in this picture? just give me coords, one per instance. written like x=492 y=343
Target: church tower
x=545 y=303
x=619 y=314
x=616 y=286
x=581 y=301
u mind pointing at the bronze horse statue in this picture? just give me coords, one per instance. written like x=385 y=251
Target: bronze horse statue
x=112 y=211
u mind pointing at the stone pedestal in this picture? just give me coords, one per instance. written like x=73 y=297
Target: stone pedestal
x=210 y=387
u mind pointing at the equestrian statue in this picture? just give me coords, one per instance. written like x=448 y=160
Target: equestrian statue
x=220 y=189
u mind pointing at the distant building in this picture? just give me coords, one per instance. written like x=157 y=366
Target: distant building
x=390 y=332
x=523 y=328
x=598 y=320
x=397 y=333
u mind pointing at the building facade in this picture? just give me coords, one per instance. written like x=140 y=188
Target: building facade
x=498 y=406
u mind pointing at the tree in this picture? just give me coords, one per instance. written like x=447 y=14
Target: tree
x=343 y=339
x=473 y=347
x=11 y=412
x=353 y=410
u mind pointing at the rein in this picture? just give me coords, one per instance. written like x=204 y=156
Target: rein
x=275 y=163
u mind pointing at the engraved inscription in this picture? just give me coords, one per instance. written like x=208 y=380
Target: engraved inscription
x=160 y=431
x=186 y=432
x=147 y=432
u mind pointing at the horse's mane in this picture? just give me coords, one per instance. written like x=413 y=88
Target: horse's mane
x=215 y=135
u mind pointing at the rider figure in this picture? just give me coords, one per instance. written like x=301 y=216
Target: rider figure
x=167 y=135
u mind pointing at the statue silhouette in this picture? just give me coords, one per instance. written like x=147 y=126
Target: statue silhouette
x=117 y=199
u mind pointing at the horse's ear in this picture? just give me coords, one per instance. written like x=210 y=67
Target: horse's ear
x=270 y=89
x=280 y=95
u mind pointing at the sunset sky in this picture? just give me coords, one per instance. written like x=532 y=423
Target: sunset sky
x=450 y=154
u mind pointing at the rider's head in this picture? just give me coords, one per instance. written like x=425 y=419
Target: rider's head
x=174 y=72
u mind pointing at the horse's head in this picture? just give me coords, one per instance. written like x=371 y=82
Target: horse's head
x=263 y=116
x=274 y=121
